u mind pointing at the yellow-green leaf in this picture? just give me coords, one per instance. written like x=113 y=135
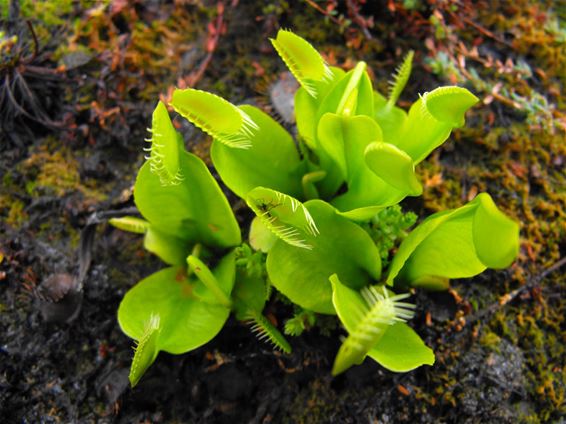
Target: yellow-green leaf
x=302 y=59
x=217 y=117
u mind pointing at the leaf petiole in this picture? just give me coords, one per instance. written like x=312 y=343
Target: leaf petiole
x=206 y=277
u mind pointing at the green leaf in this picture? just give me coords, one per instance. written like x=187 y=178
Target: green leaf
x=217 y=117
x=431 y=119
x=400 y=79
x=309 y=180
x=186 y=322
x=208 y=279
x=131 y=224
x=457 y=243
x=166 y=147
x=491 y=224
x=170 y=249
x=393 y=166
x=367 y=318
x=145 y=351
x=284 y=215
x=306 y=108
x=249 y=294
x=391 y=119
x=343 y=248
x=302 y=59
x=214 y=286
x=401 y=349
x=265 y=330
x=449 y=104
x=344 y=139
x=271 y=161
x=352 y=95
x=398 y=349
x=365 y=213
x=195 y=211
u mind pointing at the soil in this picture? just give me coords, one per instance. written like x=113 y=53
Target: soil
x=97 y=73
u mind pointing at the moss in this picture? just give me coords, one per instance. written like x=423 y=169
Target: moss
x=55 y=171
x=537 y=331
x=490 y=339
x=16 y=215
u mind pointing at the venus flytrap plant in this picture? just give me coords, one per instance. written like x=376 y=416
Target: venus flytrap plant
x=357 y=151
x=321 y=205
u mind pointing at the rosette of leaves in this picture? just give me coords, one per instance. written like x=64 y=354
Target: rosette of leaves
x=189 y=224
x=355 y=155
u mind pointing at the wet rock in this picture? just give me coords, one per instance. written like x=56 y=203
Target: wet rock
x=492 y=379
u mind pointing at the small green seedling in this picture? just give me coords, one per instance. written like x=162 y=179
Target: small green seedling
x=326 y=216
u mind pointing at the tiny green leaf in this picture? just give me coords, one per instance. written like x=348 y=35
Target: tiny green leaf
x=250 y=293
x=217 y=117
x=400 y=79
x=145 y=351
x=131 y=224
x=284 y=215
x=352 y=95
x=309 y=181
x=302 y=59
x=349 y=100
x=391 y=119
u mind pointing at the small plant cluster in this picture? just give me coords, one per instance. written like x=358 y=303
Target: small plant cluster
x=327 y=217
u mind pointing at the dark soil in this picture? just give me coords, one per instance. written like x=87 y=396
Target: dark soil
x=97 y=74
